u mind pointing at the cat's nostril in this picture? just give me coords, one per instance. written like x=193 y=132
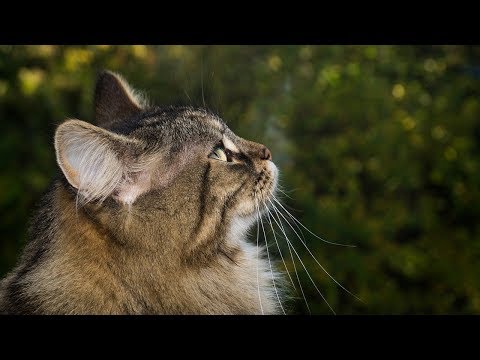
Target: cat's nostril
x=266 y=154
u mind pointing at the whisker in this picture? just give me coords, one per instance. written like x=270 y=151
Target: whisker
x=278 y=246
x=284 y=193
x=298 y=227
x=293 y=261
x=269 y=262
x=258 y=282
x=304 y=267
x=318 y=237
x=313 y=256
x=283 y=189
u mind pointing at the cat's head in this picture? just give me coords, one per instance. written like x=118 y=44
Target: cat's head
x=181 y=163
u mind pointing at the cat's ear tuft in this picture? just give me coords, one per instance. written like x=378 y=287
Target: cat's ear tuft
x=115 y=100
x=97 y=162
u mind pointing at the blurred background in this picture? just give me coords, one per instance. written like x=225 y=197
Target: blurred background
x=378 y=147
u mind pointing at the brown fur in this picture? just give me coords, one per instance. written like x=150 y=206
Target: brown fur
x=164 y=235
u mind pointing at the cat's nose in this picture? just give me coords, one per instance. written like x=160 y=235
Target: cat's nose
x=265 y=154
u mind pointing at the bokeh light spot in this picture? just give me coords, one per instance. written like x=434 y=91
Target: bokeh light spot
x=140 y=51
x=438 y=132
x=408 y=123
x=398 y=91
x=450 y=153
x=30 y=80
x=3 y=87
x=306 y=53
x=430 y=65
x=274 y=62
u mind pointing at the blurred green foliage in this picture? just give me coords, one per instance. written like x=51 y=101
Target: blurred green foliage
x=377 y=146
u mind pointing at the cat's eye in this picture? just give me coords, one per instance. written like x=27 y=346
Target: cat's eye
x=222 y=154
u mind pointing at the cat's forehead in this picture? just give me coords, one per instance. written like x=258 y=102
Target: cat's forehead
x=196 y=118
x=174 y=122
x=188 y=115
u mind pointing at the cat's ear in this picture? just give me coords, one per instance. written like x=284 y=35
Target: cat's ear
x=115 y=100
x=100 y=163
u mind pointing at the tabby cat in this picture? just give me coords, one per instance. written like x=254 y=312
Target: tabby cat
x=148 y=215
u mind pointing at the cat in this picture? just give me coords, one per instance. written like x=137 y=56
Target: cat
x=148 y=214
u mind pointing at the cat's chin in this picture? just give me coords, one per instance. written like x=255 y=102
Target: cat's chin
x=264 y=196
